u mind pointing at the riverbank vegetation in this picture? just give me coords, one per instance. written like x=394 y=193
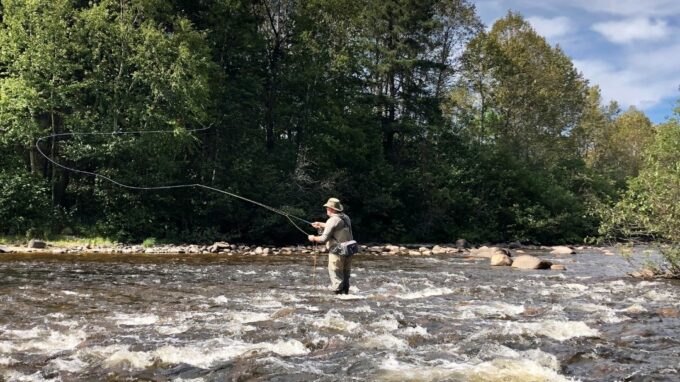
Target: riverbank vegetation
x=427 y=125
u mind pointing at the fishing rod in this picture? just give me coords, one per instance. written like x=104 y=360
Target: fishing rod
x=289 y=216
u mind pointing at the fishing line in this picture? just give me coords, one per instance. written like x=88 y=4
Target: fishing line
x=289 y=216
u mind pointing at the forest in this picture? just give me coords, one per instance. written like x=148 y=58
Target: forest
x=426 y=124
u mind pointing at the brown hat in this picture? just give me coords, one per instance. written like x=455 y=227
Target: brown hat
x=334 y=203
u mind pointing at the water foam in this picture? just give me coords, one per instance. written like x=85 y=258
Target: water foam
x=386 y=323
x=68 y=365
x=335 y=320
x=558 y=330
x=496 y=309
x=50 y=342
x=126 y=358
x=415 y=331
x=15 y=376
x=497 y=370
x=7 y=361
x=208 y=353
x=427 y=292
x=117 y=356
x=590 y=308
x=134 y=319
x=220 y=300
x=384 y=341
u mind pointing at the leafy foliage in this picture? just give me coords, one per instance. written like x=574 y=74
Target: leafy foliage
x=426 y=126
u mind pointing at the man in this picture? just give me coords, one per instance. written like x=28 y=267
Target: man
x=337 y=229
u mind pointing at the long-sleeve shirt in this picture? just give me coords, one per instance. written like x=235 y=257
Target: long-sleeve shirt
x=336 y=231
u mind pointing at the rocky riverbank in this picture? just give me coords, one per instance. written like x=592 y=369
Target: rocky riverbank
x=513 y=254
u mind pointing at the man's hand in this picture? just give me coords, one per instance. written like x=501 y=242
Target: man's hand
x=311 y=238
x=318 y=225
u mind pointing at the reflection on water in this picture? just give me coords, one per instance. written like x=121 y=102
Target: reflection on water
x=214 y=318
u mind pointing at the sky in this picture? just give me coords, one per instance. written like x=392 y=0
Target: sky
x=630 y=48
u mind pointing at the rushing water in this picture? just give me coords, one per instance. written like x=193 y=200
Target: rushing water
x=215 y=318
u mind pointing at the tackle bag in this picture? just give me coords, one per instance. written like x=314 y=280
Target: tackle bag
x=348 y=248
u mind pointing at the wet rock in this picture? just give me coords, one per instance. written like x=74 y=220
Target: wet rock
x=668 y=312
x=258 y=250
x=635 y=309
x=58 y=251
x=283 y=312
x=644 y=273
x=462 y=244
x=515 y=245
x=3 y=250
x=532 y=311
x=501 y=260
x=219 y=246
x=37 y=244
x=489 y=252
x=439 y=250
x=530 y=262
x=265 y=252
x=562 y=250
x=558 y=267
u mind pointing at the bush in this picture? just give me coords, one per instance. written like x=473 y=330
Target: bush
x=24 y=204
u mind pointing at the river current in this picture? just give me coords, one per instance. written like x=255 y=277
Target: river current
x=439 y=318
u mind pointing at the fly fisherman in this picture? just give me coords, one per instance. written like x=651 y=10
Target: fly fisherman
x=336 y=231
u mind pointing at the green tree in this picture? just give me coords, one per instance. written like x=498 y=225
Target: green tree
x=38 y=79
x=650 y=208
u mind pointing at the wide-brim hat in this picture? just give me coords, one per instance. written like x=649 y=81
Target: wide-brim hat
x=334 y=203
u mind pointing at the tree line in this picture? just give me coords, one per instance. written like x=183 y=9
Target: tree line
x=427 y=125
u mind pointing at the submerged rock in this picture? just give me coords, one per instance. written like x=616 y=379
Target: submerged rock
x=530 y=262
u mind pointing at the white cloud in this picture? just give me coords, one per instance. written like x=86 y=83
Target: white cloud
x=638 y=29
x=551 y=27
x=627 y=7
x=630 y=86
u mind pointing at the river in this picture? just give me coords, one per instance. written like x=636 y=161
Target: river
x=439 y=318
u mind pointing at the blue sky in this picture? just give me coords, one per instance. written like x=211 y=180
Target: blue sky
x=630 y=48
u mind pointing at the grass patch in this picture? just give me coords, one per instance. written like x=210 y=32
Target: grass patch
x=149 y=242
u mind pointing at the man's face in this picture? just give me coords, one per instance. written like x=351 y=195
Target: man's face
x=330 y=211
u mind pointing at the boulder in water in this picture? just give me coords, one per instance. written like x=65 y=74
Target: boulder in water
x=37 y=244
x=439 y=250
x=462 y=244
x=489 y=252
x=530 y=262
x=562 y=250
x=668 y=312
x=558 y=267
x=644 y=273
x=501 y=260
x=3 y=250
x=515 y=245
